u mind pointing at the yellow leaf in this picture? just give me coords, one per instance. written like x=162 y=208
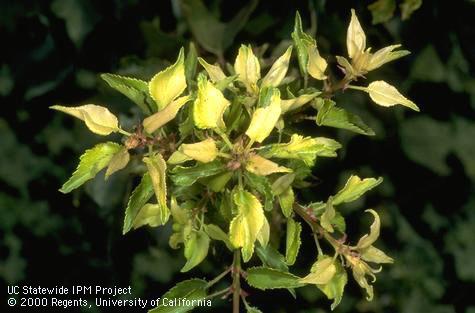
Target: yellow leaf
x=168 y=84
x=385 y=55
x=204 y=151
x=246 y=225
x=278 y=70
x=355 y=37
x=209 y=106
x=118 y=162
x=157 y=167
x=316 y=64
x=263 y=167
x=264 y=119
x=295 y=103
x=215 y=72
x=386 y=95
x=98 y=119
x=345 y=64
x=248 y=68
x=149 y=214
x=157 y=120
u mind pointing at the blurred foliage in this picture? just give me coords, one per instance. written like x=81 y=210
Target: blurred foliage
x=53 y=51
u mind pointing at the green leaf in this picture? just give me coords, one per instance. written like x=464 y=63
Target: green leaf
x=134 y=89
x=330 y=115
x=246 y=225
x=250 y=309
x=304 y=148
x=292 y=241
x=281 y=184
x=335 y=287
x=408 y=7
x=382 y=10
x=196 y=249
x=218 y=182
x=216 y=233
x=269 y=278
x=168 y=84
x=193 y=289
x=261 y=185
x=272 y=258
x=187 y=176
x=286 y=202
x=157 y=167
x=212 y=34
x=91 y=163
x=150 y=214
x=191 y=62
x=302 y=42
x=139 y=197
x=354 y=188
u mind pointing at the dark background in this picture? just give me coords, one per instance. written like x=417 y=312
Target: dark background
x=52 y=52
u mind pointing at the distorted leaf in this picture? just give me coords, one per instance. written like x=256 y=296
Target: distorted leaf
x=292 y=243
x=118 y=162
x=248 y=68
x=354 y=188
x=264 y=119
x=204 y=151
x=278 y=70
x=157 y=167
x=209 y=106
x=263 y=167
x=196 y=249
x=157 y=120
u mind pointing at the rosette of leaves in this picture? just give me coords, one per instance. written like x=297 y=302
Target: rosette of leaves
x=221 y=162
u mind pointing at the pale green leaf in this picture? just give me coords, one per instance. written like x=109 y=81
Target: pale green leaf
x=196 y=249
x=248 y=68
x=270 y=257
x=150 y=214
x=98 y=119
x=385 y=55
x=269 y=278
x=168 y=84
x=218 y=182
x=317 y=65
x=355 y=37
x=264 y=234
x=191 y=62
x=408 y=7
x=118 y=161
x=330 y=115
x=375 y=255
x=321 y=272
x=245 y=226
x=157 y=120
x=216 y=233
x=157 y=167
x=139 y=197
x=292 y=243
x=335 y=287
x=278 y=70
x=386 y=95
x=354 y=188
x=382 y=10
x=215 y=72
x=296 y=103
x=286 y=201
x=281 y=184
x=368 y=239
x=326 y=220
x=209 y=106
x=91 y=163
x=304 y=148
